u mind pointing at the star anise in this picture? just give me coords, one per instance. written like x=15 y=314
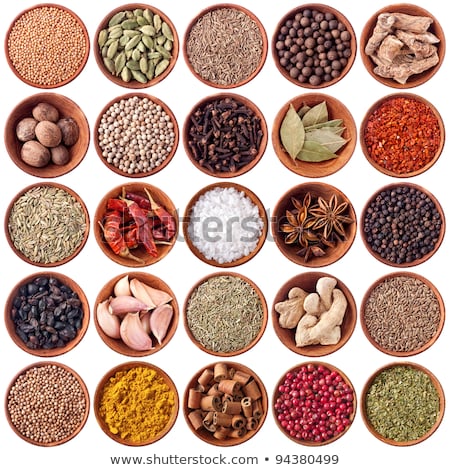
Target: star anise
x=330 y=217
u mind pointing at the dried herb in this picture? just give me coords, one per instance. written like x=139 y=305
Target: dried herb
x=309 y=135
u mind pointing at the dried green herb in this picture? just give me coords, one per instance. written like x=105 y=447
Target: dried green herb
x=402 y=403
x=309 y=135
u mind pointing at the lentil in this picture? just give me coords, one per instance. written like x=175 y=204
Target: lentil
x=47 y=314
x=47 y=46
x=225 y=314
x=136 y=135
x=402 y=135
x=225 y=46
x=47 y=224
x=313 y=46
x=47 y=404
x=402 y=403
x=402 y=224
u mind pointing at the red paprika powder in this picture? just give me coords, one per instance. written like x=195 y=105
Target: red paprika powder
x=402 y=135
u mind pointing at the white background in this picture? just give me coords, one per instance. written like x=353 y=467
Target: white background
x=180 y=269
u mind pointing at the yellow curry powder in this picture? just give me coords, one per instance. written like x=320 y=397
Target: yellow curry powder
x=136 y=404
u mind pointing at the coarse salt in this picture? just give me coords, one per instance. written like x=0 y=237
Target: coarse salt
x=225 y=225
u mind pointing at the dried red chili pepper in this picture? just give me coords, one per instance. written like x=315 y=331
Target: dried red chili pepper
x=167 y=220
x=144 y=230
x=402 y=135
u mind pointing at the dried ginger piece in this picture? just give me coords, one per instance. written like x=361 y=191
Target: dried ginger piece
x=291 y=310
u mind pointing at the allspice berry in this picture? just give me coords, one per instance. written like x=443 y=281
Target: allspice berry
x=48 y=133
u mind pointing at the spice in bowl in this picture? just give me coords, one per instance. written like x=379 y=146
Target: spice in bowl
x=402 y=135
x=402 y=404
x=225 y=314
x=402 y=314
x=54 y=415
x=225 y=135
x=148 y=413
x=47 y=46
x=137 y=135
x=314 y=404
x=47 y=224
x=402 y=225
x=225 y=46
x=225 y=224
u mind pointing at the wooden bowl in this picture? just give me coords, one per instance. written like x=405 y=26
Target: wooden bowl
x=58 y=349
x=221 y=78
x=336 y=110
x=409 y=9
x=289 y=16
x=30 y=30
x=143 y=258
x=124 y=368
x=297 y=372
x=28 y=255
x=135 y=83
x=188 y=216
x=219 y=321
x=291 y=251
x=260 y=405
x=406 y=263
x=391 y=311
x=118 y=345
x=307 y=281
x=67 y=108
x=83 y=415
x=208 y=166
x=170 y=154
x=372 y=428
x=369 y=116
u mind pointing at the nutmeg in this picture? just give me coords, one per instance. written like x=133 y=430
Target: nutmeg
x=60 y=155
x=48 y=133
x=69 y=130
x=25 y=129
x=45 y=112
x=35 y=154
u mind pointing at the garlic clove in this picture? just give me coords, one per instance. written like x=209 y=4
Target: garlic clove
x=158 y=296
x=145 y=320
x=122 y=286
x=138 y=290
x=160 y=319
x=109 y=323
x=123 y=304
x=133 y=334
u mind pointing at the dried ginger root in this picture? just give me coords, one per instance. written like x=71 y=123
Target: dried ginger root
x=291 y=310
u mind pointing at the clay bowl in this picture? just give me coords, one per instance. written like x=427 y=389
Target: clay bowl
x=153 y=169
x=409 y=9
x=124 y=368
x=31 y=25
x=291 y=251
x=251 y=229
x=133 y=83
x=372 y=426
x=290 y=16
x=57 y=350
x=140 y=257
x=67 y=108
x=336 y=110
x=307 y=281
x=27 y=254
x=391 y=311
x=401 y=259
x=32 y=390
x=204 y=345
x=208 y=167
x=252 y=388
x=310 y=369
x=383 y=168
x=118 y=345
x=221 y=78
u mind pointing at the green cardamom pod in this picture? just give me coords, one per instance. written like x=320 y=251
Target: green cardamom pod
x=138 y=12
x=123 y=40
x=139 y=76
x=143 y=65
x=136 y=55
x=161 y=40
x=119 y=62
x=168 y=45
x=141 y=21
x=130 y=33
x=116 y=33
x=109 y=64
x=148 y=30
x=104 y=51
x=129 y=24
x=112 y=49
x=117 y=18
x=133 y=65
x=102 y=37
x=157 y=22
x=164 y=52
x=148 y=42
x=140 y=47
x=167 y=32
x=154 y=55
x=125 y=75
x=148 y=15
x=132 y=43
x=151 y=70
x=161 y=67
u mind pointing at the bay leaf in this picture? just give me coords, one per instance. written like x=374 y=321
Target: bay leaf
x=331 y=123
x=330 y=140
x=316 y=115
x=292 y=132
x=314 y=152
x=303 y=110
